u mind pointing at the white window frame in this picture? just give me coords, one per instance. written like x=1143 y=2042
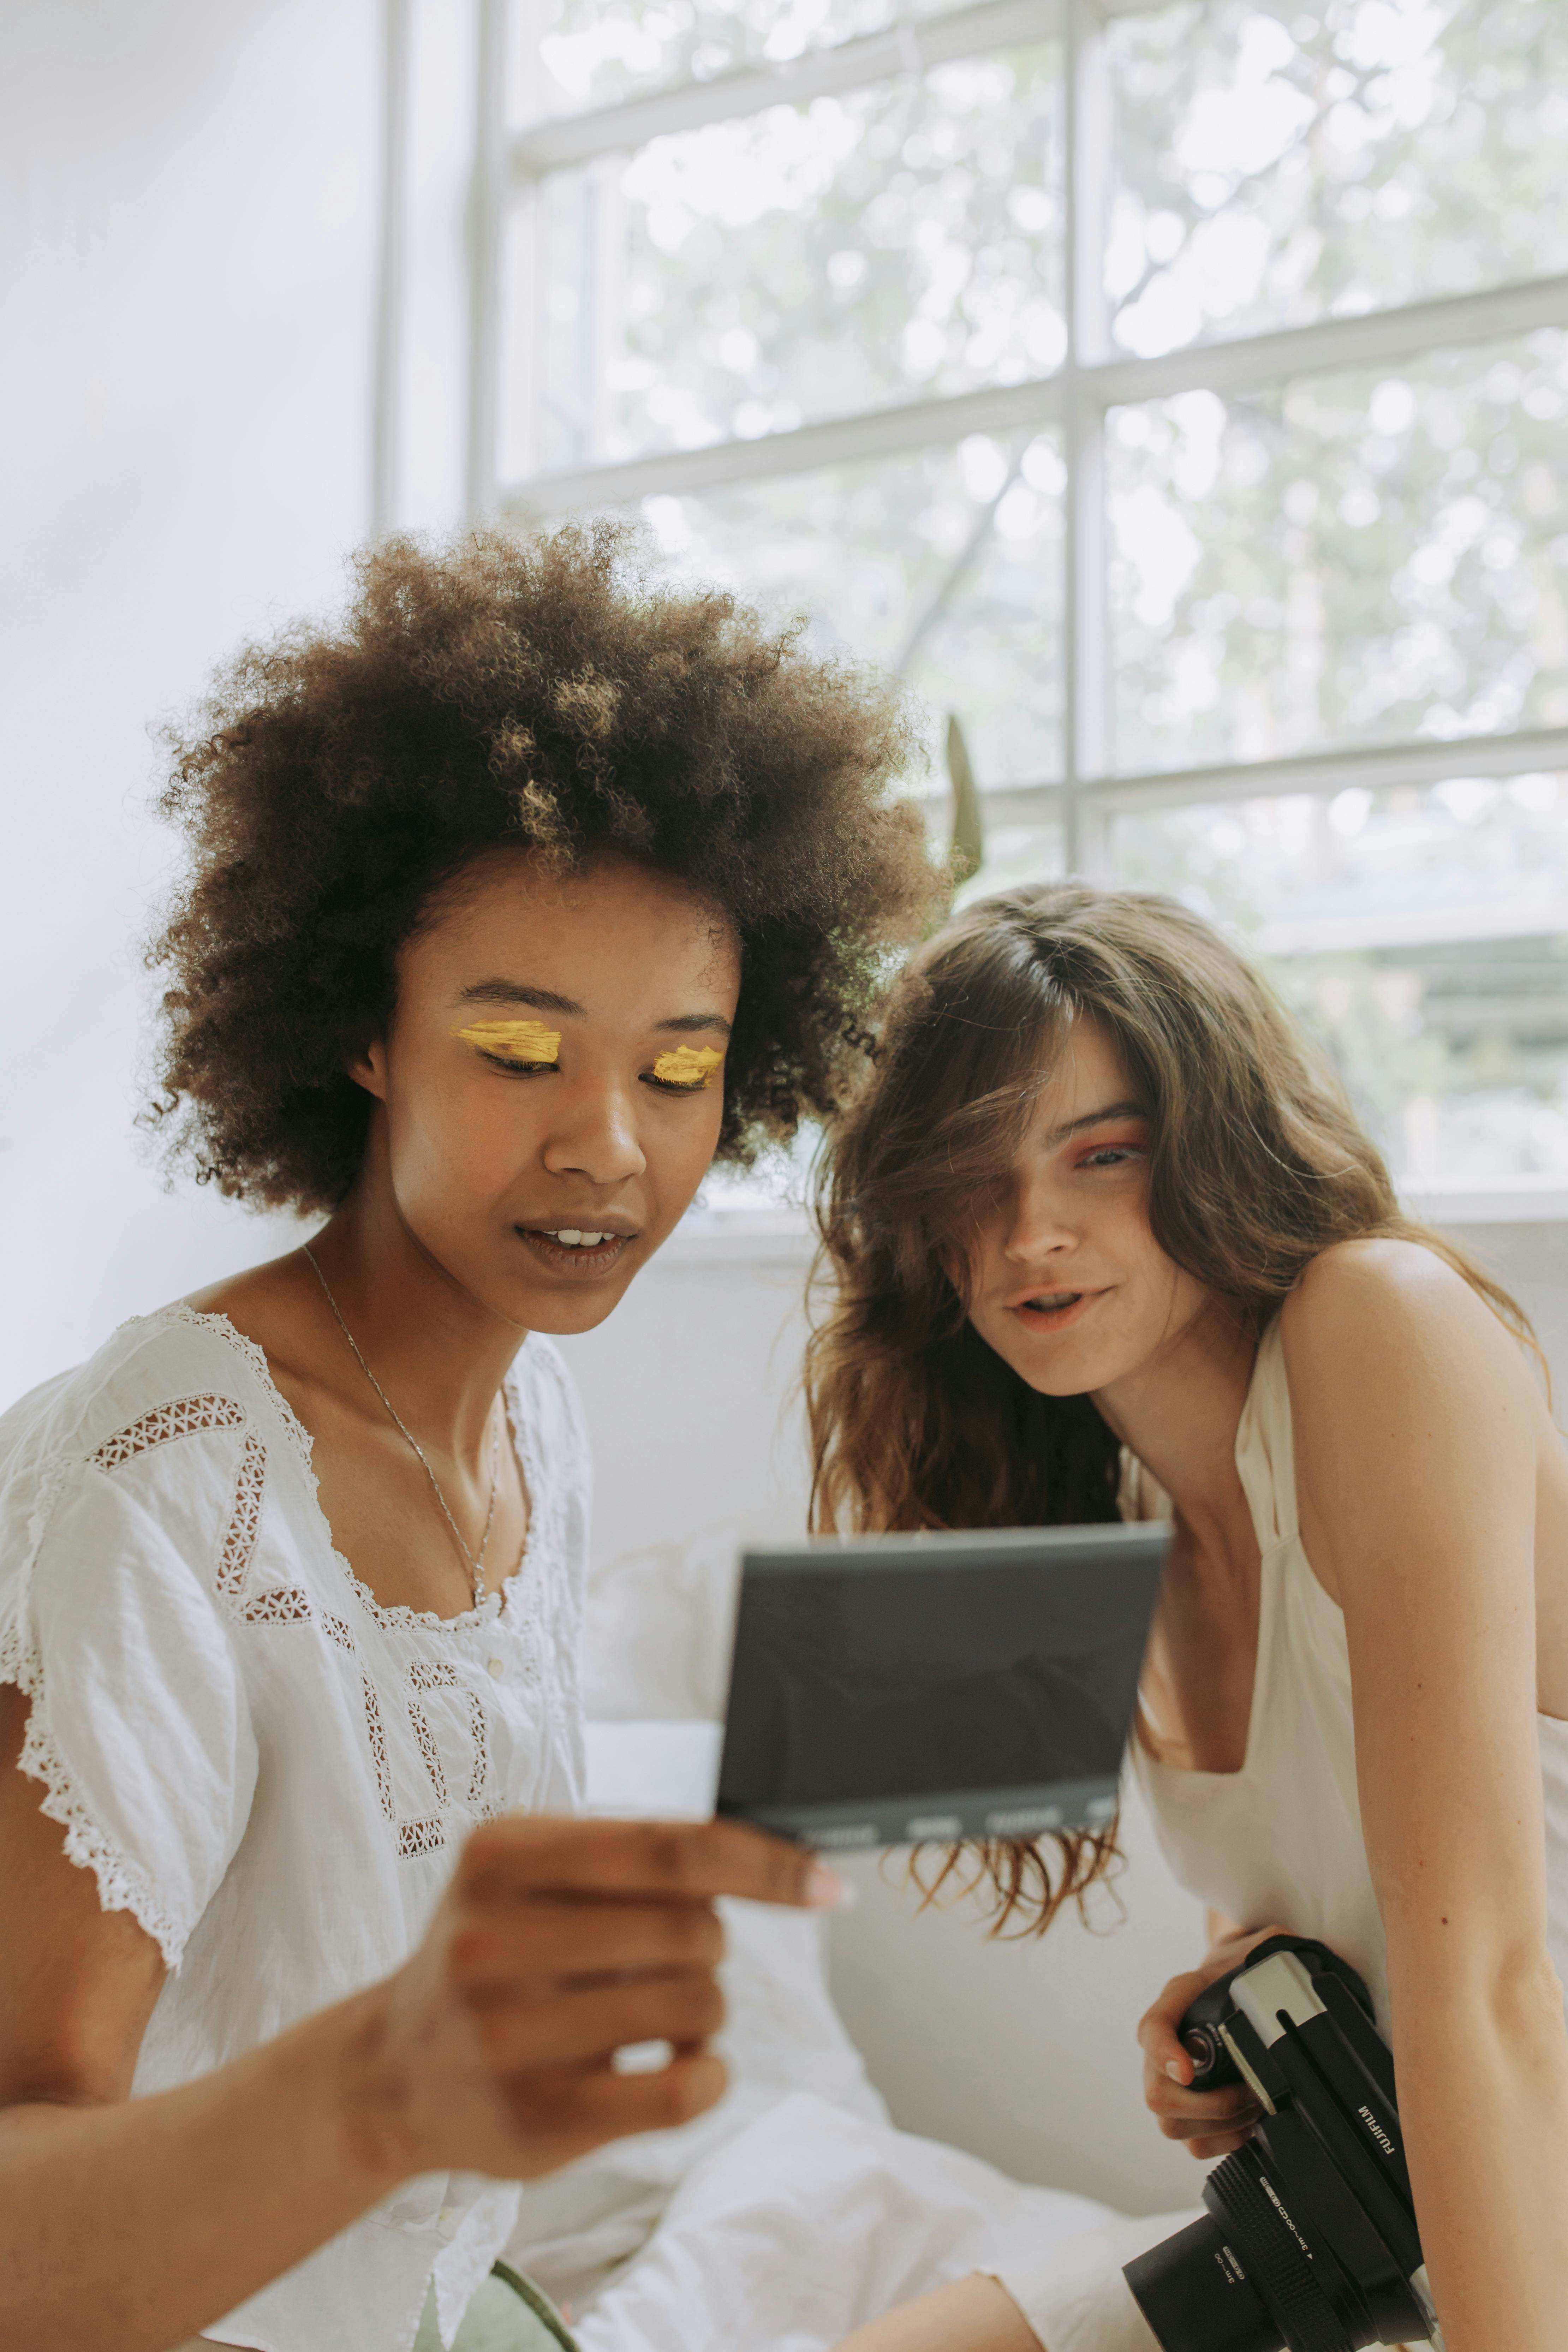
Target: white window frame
x=1074 y=398
x=508 y=172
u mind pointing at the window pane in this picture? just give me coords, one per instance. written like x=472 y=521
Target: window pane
x=897 y=243
x=594 y=52
x=1285 y=160
x=1423 y=935
x=944 y=565
x=1349 y=559
x=1015 y=854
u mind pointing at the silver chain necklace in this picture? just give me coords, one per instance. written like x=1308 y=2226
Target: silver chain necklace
x=475 y=1562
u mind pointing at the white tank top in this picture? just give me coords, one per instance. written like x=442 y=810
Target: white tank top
x=1281 y=1839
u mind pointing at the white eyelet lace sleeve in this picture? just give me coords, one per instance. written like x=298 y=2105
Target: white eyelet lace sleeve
x=112 y=1623
x=271 y=1771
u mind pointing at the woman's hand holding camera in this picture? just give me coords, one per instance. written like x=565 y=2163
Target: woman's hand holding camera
x=1211 y=2123
x=559 y=1943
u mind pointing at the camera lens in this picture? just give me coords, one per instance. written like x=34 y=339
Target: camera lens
x=1196 y=2294
x=1248 y=2198
x=1243 y=2279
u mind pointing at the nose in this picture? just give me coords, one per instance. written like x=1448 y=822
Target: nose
x=1036 y=1225
x=595 y=1136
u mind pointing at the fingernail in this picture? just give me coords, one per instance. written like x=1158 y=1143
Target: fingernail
x=1174 y=2068
x=827 y=1891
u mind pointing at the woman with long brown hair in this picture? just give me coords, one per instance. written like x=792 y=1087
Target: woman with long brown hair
x=1101 y=1218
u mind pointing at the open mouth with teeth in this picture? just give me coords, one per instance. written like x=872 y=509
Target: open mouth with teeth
x=1049 y=1310
x=588 y=1248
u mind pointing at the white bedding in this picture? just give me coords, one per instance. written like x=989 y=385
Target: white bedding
x=795 y=2209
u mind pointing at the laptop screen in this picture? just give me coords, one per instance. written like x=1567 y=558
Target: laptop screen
x=890 y=1689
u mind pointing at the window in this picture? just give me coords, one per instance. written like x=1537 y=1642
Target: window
x=1173 y=393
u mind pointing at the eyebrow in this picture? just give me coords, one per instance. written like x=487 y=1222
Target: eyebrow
x=1094 y=1118
x=688 y=1024
x=548 y=1000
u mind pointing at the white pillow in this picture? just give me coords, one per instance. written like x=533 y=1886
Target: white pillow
x=658 y=1628
x=657 y=1772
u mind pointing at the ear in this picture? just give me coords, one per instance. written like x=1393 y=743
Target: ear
x=369 y=1069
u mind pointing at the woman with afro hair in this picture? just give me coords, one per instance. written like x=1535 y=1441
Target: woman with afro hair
x=511 y=902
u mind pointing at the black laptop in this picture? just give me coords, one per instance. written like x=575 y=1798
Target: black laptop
x=887 y=1689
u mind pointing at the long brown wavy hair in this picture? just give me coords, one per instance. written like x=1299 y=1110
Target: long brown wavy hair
x=1256 y=1163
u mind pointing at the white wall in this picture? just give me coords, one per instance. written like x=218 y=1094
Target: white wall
x=690 y=1390
x=190 y=229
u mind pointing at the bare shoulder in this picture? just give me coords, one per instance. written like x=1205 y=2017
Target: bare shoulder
x=1419 y=1426
x=1376 y=1276
x=1391 y=1313
x=276 y=1305
x=249 y=1293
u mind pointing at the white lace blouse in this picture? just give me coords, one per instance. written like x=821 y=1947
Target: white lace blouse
x=270 y=1772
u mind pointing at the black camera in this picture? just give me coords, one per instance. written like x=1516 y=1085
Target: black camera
x=1310 y=2241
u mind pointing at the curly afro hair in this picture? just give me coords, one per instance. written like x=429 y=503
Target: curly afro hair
x=544 y=693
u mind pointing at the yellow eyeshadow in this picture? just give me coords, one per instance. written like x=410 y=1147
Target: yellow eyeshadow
x=514 y=1041
x=689 y=1065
